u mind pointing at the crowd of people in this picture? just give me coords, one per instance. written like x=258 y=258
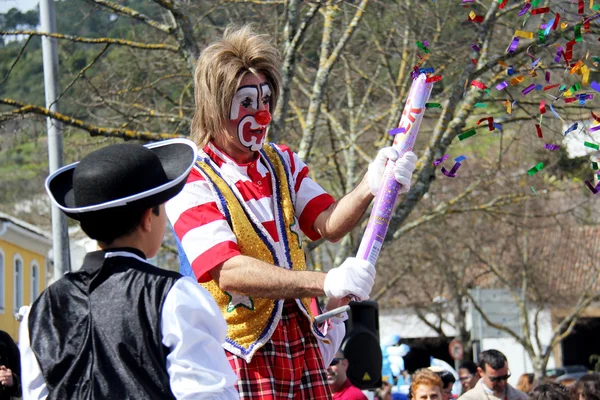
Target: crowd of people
x=488 y=380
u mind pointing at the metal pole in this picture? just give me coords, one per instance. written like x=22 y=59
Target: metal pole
x=60 y=235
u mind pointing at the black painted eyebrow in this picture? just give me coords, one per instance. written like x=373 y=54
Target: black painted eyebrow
x=254 y=87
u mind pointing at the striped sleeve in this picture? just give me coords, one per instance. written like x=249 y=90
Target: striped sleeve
x=202 y=229
x=311 y=198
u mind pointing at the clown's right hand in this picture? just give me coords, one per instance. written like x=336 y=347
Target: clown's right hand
x=354 y=277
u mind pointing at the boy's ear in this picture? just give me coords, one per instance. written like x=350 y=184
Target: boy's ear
x=146 y=222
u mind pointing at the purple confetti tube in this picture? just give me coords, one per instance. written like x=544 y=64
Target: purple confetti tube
x=524 y=10
x=383 y=207
x=441 y=160
x=558 y=54
x=501 y=85
x=528 y=89
x=513 y=45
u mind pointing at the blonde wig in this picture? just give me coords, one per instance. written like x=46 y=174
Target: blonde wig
x=219 y=71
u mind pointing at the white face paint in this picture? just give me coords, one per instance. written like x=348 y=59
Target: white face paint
x=250 y=98
x=246 y=97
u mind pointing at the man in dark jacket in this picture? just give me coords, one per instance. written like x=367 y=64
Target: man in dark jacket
x=10 y=368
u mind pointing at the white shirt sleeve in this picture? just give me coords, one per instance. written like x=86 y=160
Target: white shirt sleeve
x=334 y=330
x=32 y=380
x=194 y=329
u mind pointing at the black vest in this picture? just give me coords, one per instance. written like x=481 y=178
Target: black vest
x=96 y=332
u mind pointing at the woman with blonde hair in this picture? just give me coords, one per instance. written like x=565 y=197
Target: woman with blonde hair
x=525 y=383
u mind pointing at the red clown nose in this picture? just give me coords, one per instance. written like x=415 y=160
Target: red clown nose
x=263 y=117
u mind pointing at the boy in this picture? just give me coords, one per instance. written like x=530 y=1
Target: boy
x=119 y=327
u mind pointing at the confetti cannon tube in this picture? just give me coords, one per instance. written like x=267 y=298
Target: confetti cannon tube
x=372 y=240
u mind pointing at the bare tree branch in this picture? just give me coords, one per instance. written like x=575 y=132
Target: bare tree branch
x=92 y=129
x=120 y=42
x=131 y=13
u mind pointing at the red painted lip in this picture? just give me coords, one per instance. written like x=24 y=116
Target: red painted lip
x=248 y=133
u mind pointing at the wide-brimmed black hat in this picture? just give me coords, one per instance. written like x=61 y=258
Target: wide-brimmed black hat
x=122 y=176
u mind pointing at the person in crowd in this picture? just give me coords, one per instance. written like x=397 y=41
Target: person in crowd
x=384 y=392
x=338 y=381
x=467 y=374
x=587 y=388
x=493 y=385
x=549 y=391
x=10 y=368
x=525 y=383
x=448 y=381
x=239 y=220
x=121 y=328
x=425 y=385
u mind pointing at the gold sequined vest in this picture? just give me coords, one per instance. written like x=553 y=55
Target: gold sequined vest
x=252 y=320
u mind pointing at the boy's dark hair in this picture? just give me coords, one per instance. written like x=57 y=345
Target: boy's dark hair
x=587 y=387
x=108 y=225
x=446 y=377
x=493 y=358
x=469 y=366
x=549 y=391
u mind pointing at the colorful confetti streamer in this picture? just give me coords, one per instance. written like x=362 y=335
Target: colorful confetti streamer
x=478 y=84
x=452 y=172
x=555 y=113
x=467 y=134
x=537 y=168
x=441 y=160
x=571 y=128
x=422 y=47
x=528 y=89
x=501 y=85
x=513 y=45
x=594 y=128
x=524 y=9
x=592 y=188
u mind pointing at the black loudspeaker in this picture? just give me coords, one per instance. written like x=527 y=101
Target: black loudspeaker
x=361 y=345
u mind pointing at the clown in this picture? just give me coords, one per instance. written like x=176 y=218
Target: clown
x=250 y=112
x=239 y=221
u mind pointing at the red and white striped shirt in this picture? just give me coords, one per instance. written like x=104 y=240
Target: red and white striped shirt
x=203 y=230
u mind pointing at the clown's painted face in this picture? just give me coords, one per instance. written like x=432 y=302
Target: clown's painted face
x=249 y=115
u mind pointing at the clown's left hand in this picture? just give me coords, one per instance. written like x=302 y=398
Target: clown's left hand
x=403 y=169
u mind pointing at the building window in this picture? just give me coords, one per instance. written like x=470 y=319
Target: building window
x=18 y=283
x=35 y=281
x=2 y=283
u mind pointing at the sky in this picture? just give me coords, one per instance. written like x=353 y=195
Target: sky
x=23 y=5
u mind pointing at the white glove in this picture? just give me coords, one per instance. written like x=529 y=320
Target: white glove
x=403 y=169
x=354 y=277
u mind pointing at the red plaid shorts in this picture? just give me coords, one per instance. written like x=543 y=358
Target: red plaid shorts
x=288 y=366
